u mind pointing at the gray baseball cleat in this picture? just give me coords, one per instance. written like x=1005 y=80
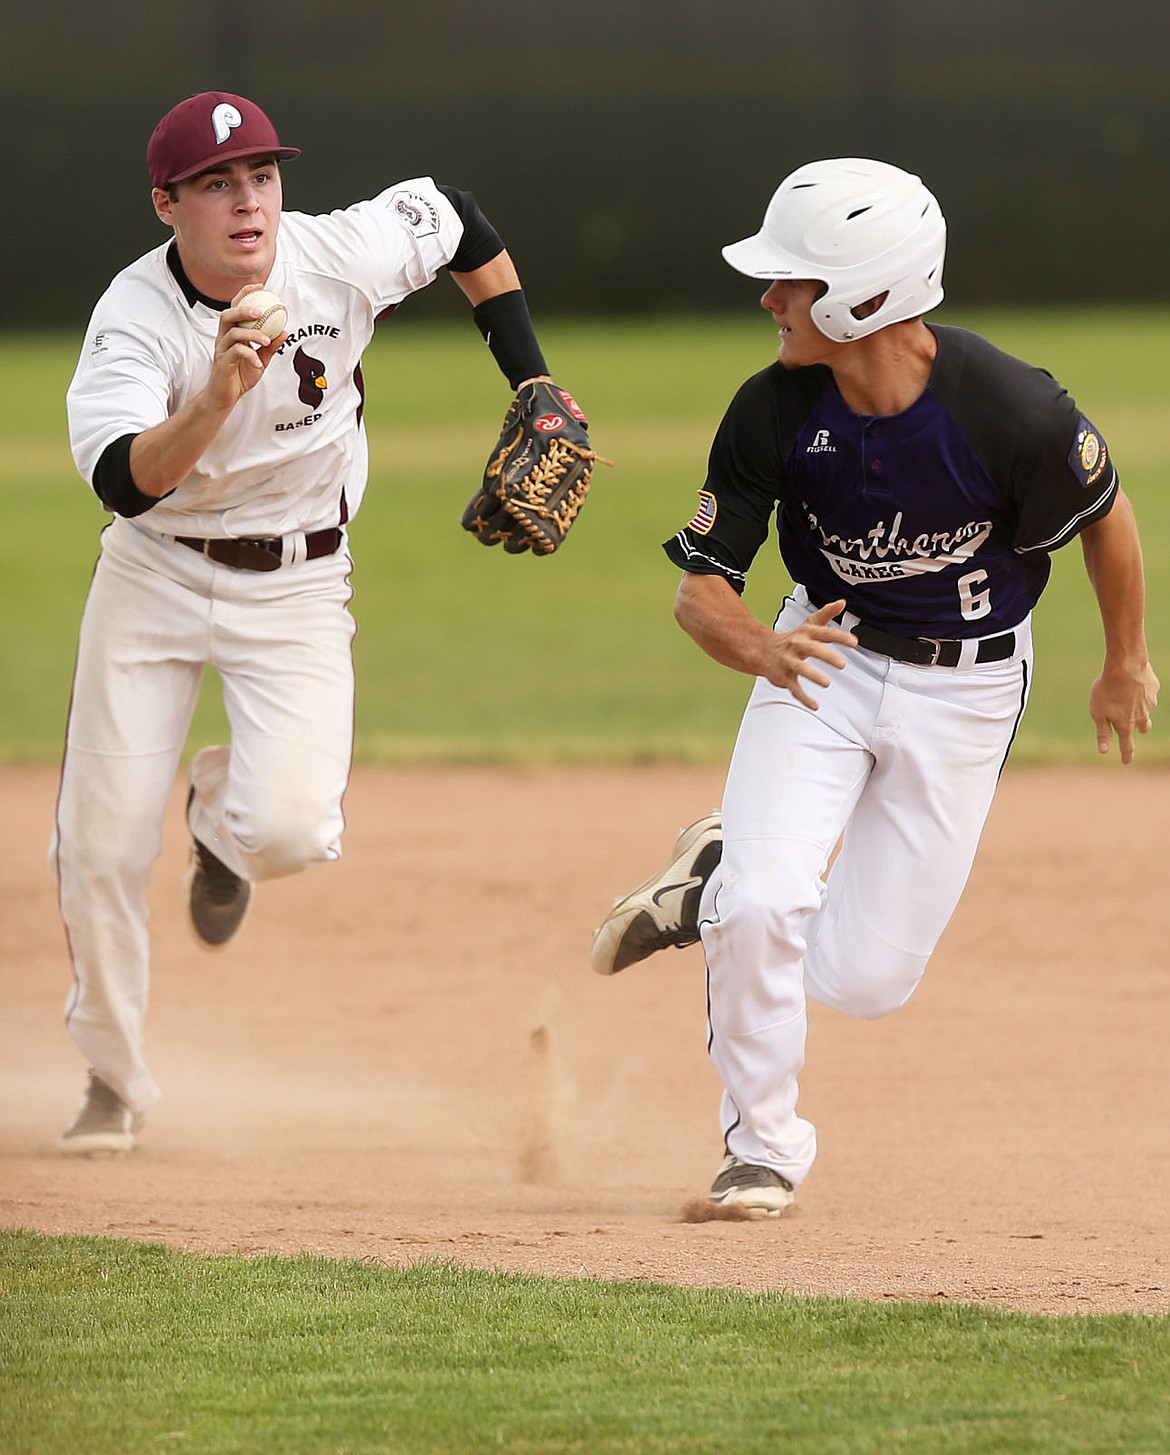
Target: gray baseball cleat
x=759 y=1191
x=104 y=1125
x=664 y=911
x=217 y=898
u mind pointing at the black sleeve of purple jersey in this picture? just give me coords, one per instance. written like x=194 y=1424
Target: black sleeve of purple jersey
x=480 y=242
x=1072 y=483
x=1029 y=433
x=738 y=499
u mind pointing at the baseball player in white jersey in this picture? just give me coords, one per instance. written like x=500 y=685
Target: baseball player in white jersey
x=232 y=460
x=919 y=479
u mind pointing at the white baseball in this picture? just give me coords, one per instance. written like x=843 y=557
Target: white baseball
x=273 y=315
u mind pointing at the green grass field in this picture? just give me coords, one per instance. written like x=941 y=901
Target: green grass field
x=466 y=653
x=469 y=653
x=114 y=1348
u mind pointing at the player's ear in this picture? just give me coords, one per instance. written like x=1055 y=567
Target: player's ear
x=164 y=199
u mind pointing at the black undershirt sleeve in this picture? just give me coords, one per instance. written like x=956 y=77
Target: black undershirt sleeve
x=503 y=320
x=480 y=242
x=507 y=330
x=114 y=484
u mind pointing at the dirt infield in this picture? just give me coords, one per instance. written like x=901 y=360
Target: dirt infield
x=406 y=1056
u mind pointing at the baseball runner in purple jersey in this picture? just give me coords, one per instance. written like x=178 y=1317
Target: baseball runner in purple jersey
x=232 y=461
x=919 y=480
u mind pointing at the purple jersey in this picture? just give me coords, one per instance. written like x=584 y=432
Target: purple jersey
x=935 y=522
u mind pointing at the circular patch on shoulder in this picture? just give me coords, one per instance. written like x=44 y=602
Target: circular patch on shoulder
x=1089 y=454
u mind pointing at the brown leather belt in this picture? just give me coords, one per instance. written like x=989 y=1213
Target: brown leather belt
x=263 y=553
x=926 y=651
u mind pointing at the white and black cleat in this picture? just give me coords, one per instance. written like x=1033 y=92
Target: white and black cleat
x=662 y=913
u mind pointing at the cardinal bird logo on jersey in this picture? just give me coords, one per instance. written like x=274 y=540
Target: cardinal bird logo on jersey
x=311 y=373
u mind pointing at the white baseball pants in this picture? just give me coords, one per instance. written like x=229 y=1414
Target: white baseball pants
x=900 y=764
x=270 y=805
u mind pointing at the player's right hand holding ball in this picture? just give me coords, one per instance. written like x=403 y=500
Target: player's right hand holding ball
x=250 y=333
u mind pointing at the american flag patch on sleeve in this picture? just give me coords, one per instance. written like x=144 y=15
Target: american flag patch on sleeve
x=704 y=518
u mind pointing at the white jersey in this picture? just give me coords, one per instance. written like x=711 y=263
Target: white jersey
x=295 y=442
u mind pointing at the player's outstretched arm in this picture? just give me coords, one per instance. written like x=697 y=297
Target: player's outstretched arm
x=166 y=454
x=711 y=611
x=1124 y=696
x=538 y=475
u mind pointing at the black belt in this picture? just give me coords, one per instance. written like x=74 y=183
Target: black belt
x=926 y=651
x=263 y=553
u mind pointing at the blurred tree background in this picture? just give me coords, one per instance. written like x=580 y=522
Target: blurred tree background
x=617 y=144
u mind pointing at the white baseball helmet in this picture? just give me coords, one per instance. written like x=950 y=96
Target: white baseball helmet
x=862 y=228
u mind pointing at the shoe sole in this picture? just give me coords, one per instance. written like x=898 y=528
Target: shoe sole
x=98 y=1144
x=755 y=1209
x=630 y=932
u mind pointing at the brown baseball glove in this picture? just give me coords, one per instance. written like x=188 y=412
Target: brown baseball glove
x=538 y=475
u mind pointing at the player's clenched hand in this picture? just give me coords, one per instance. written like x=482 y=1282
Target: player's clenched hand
x=162 y=456
x=1120 y=702
x=795 y=654
x=241 y=352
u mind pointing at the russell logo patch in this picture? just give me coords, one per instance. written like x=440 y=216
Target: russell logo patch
x=1089 y=455
x=704 y=518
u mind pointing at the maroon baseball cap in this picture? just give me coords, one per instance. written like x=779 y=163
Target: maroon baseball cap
x=202 y=131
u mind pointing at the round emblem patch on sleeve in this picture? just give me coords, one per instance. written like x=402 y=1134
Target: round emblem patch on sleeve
x=419 y=213
x=1089 y=455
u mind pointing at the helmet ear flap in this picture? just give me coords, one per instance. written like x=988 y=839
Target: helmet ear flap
x=870 y=306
